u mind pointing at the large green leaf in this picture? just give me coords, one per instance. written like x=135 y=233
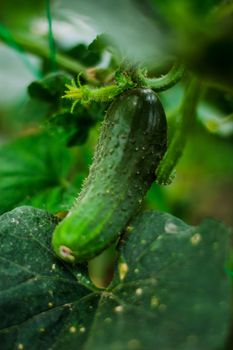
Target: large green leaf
x=30 y=165
x=50 y=88
x=172 y=293
x=54 y=199
x=42 y=300
x=169 y=290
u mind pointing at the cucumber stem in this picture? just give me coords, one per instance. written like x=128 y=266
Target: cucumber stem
x=184 y=128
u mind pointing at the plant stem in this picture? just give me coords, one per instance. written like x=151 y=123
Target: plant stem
x=36 y=46
x=164 y=82
x=184 y=129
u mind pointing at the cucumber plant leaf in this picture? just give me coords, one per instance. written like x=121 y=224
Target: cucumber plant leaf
x=53 y=199
x=28 y=166
x=43 y=301
x=170 y=290
x=50 y=88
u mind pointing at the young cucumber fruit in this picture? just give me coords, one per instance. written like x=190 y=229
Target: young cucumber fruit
x=132 y=142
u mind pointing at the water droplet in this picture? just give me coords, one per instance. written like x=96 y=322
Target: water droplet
x=139 y=291
x=72 y=329
x=106 y=294
x=196 y=239
x=136 y=148
x=82 y=329
x=170 y=227
x=123 y=269
x=119 y=308
x=50 y=304
x=14 y=221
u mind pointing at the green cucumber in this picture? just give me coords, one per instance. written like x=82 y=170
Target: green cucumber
x=132 y=142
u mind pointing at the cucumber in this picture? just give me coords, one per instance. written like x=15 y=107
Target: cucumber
x=132 y=142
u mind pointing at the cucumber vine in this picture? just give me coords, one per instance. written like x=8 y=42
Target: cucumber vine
x=123 y=81
x=184 y=126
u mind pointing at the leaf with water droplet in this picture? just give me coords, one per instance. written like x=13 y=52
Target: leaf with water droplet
x=41 y=299
x=175 y=294
x=169 y=291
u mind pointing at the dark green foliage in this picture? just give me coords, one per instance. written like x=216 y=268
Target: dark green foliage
x=100 y=43
x=74 y=127
x=82 y=53
x=174 y=294
x=50 y=88
x=70 y=127
x=156 y=304
x=31 y=165
x=38 y=293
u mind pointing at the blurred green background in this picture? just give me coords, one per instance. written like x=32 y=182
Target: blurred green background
x=45 y=152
